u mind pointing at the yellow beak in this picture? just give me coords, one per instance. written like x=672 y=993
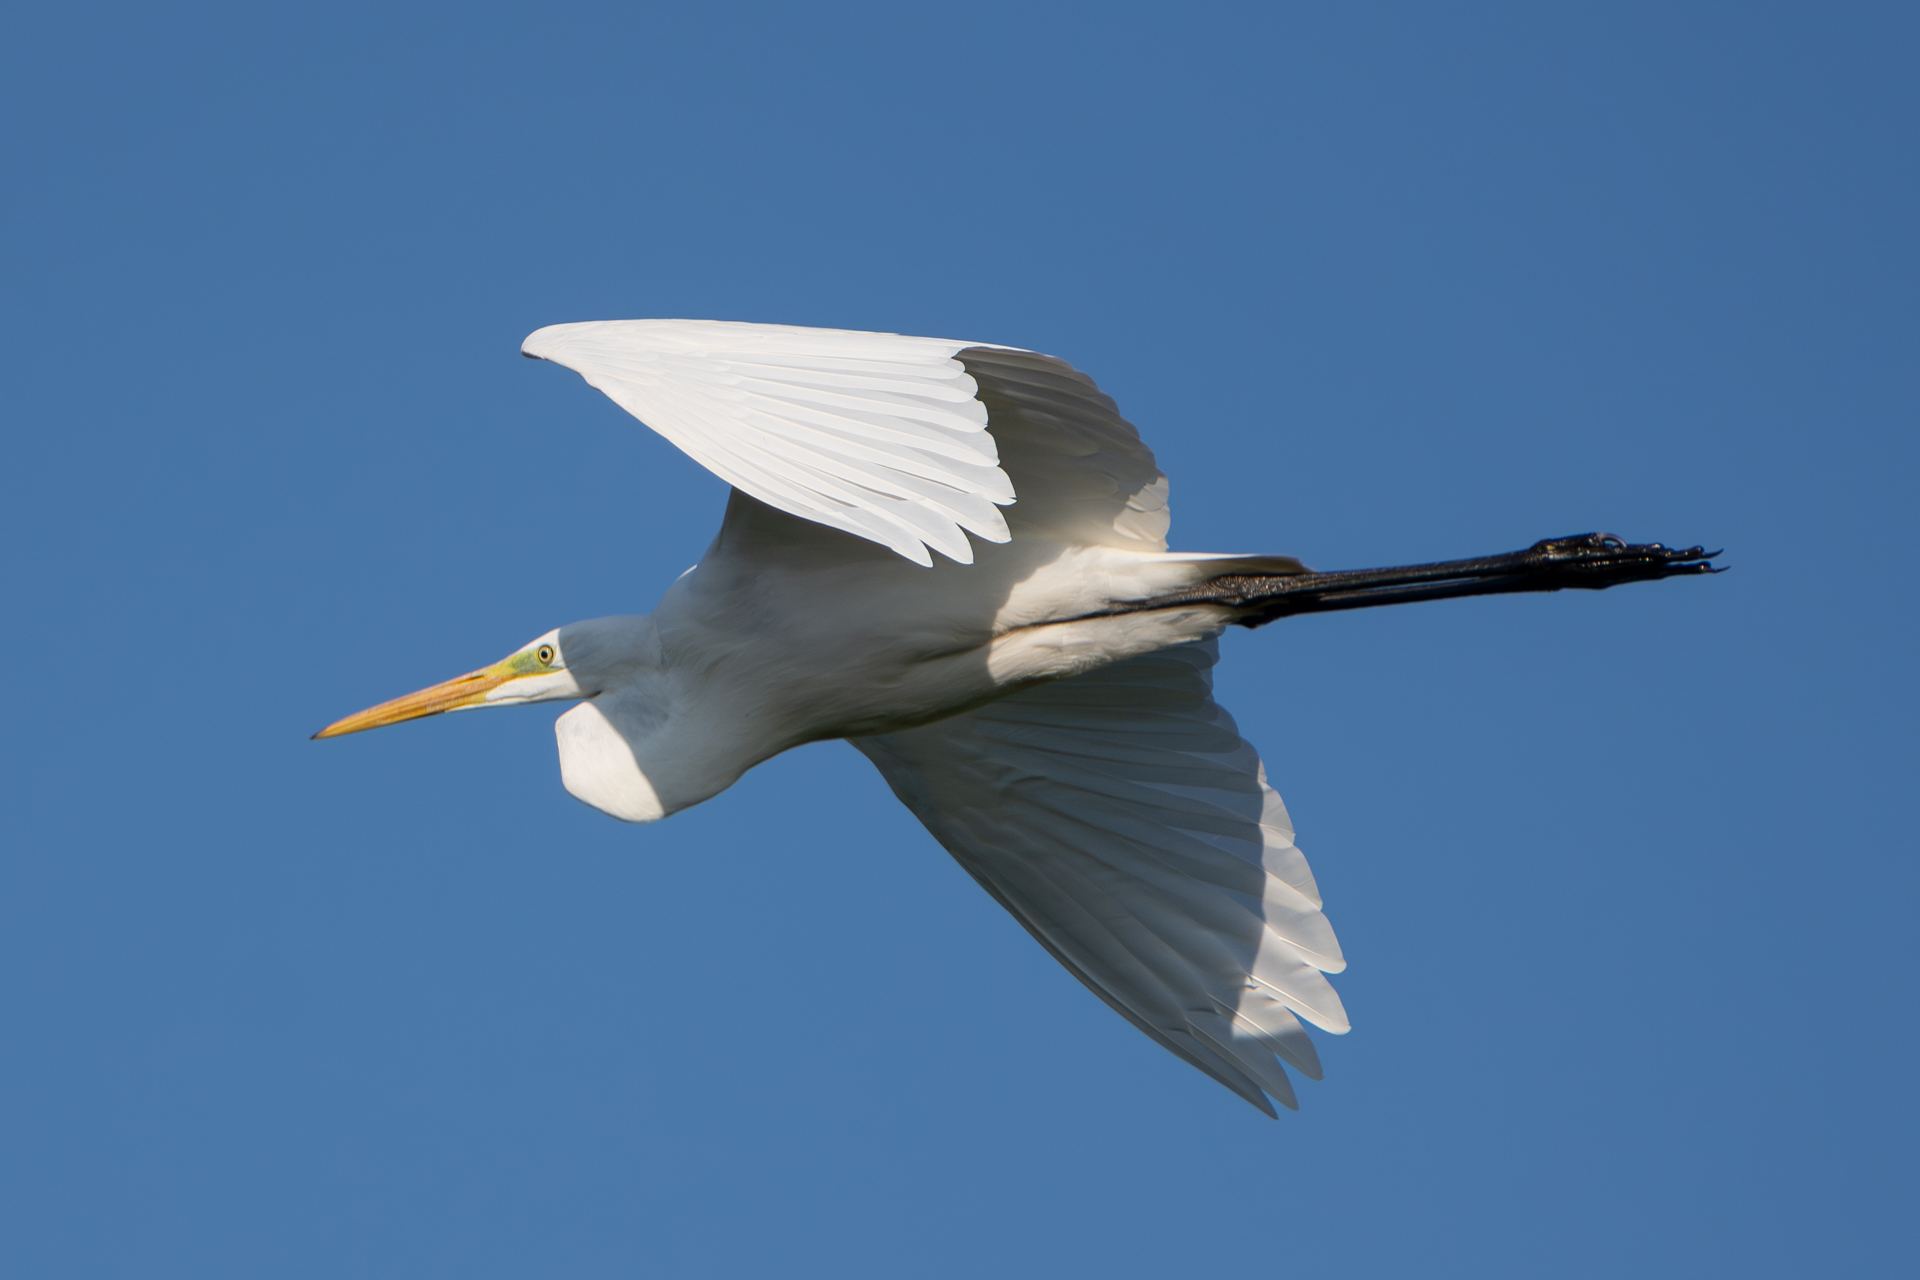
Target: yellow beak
x=461 y=691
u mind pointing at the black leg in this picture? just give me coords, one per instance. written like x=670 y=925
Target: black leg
x=1591 y=561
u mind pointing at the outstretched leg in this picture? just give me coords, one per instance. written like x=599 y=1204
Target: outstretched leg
x=1592 y=561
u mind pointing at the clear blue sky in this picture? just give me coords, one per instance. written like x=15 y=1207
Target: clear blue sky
x=1380 y=283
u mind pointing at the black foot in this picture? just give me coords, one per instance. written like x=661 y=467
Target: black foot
x=1596 y=560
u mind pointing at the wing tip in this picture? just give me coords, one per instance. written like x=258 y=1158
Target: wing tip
x=533 y=345
x=544 y=342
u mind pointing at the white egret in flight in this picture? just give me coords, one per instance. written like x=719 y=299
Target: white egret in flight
x=1038 y=693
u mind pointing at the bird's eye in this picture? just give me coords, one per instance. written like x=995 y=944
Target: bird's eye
x=545 y=654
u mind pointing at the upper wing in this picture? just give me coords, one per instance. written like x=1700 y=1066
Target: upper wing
x=1122 y=819
x=883 y=436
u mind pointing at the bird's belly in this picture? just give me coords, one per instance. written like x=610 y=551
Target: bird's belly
x=885 y=689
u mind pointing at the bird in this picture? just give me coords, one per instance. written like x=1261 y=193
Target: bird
x=953 y=555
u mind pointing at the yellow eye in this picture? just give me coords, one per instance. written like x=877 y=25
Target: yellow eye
x=545 y=654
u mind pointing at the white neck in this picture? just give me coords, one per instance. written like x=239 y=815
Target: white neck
x=650 y=741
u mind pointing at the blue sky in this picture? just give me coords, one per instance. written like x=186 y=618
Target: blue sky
x=1626 y=879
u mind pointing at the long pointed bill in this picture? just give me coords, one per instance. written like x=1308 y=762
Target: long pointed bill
x=469 y=690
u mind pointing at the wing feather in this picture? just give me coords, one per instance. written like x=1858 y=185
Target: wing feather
x=879 y=435
x=912 y=443
x=1124 y=822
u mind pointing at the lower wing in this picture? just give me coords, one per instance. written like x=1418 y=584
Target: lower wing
x=1125 y=823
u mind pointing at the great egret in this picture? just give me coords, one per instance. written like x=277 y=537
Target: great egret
x=1040 y=696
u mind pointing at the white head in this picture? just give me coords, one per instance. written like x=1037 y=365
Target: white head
x=613 y=663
